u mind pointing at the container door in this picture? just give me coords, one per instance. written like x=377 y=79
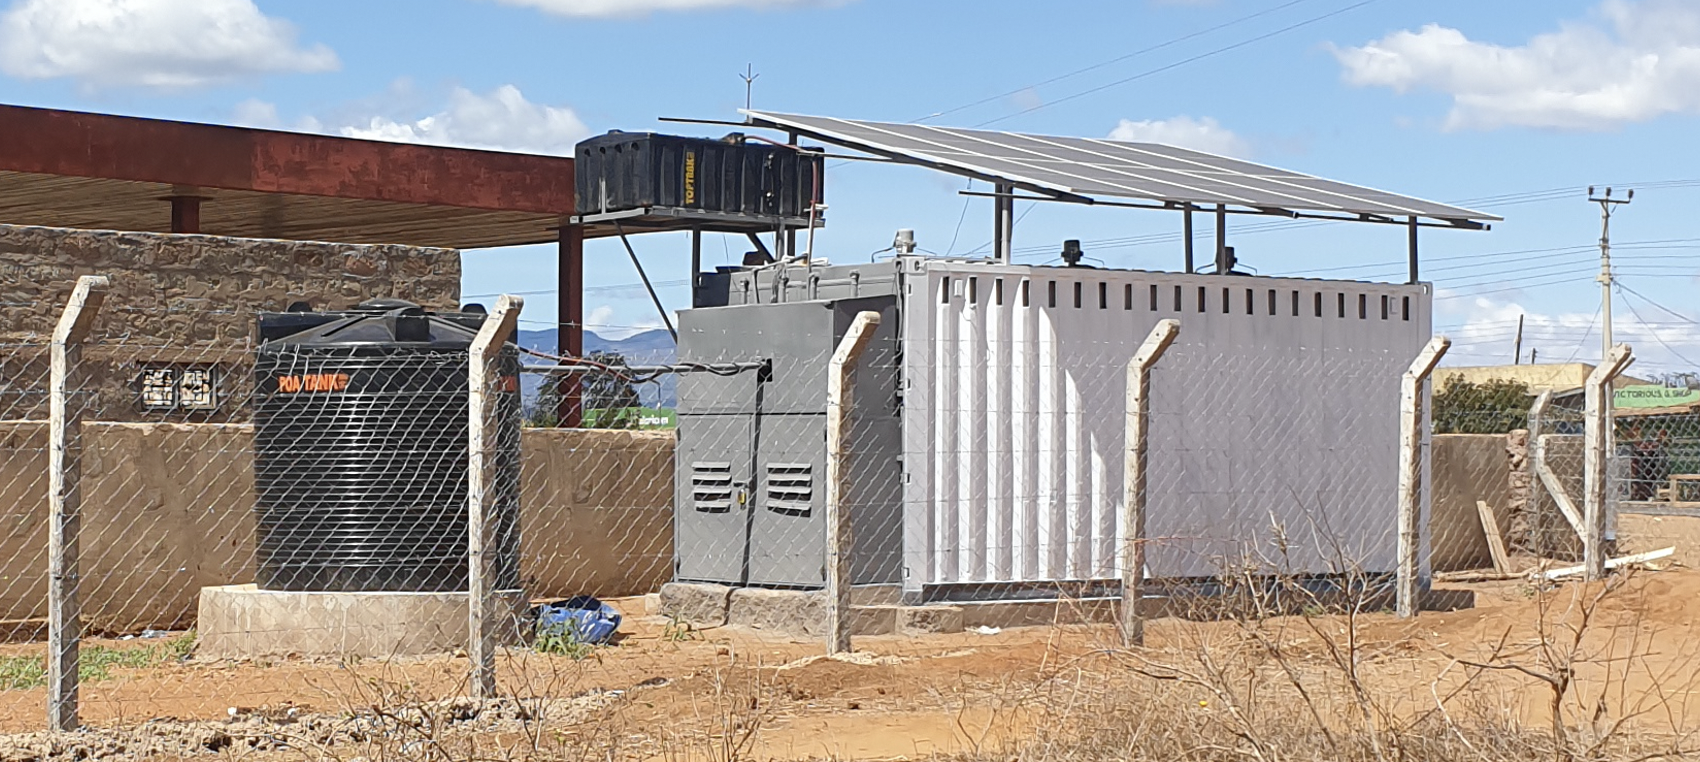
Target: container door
x=711 y=504
x=788 y=527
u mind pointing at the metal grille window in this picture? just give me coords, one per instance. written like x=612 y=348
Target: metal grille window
x=178 y=386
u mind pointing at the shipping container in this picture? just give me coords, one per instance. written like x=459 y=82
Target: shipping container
x=1274 y=418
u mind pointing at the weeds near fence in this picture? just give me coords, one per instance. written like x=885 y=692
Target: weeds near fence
x=96 y=663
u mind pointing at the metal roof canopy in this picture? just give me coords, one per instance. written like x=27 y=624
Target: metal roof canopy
x=84 y=170
x=1086 y=170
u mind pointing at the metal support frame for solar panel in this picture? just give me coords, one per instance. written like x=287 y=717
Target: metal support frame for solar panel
x=1082 y=170
x=664 y=219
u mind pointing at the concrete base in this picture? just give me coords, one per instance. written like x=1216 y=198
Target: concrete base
x=802 y=613
x=244 y=622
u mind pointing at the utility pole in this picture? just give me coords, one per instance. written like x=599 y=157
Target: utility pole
x=1517 y=352
x=1607 y=206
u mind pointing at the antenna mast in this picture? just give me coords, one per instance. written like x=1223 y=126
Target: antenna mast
x=749 y=76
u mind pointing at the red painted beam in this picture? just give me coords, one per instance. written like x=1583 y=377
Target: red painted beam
x=79 y=144
x=569 y=412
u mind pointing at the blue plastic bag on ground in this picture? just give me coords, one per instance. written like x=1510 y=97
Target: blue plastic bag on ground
x=587 y=619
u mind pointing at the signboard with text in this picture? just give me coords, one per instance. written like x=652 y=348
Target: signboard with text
x=1653 y=396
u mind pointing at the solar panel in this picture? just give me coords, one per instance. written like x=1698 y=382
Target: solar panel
x=1084 y=168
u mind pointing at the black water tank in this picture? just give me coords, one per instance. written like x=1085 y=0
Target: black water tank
x=623 y=171
x=360 y=451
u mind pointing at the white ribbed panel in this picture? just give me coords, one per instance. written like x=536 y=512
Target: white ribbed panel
x=1014 y=414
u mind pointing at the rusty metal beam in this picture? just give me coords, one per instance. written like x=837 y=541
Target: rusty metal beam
x=185 y=214
x=78 y=144
x=569 y=412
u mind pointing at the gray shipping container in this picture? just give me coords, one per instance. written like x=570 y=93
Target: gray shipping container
x=1273 y=434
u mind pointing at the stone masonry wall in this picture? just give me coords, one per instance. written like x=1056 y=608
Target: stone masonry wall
x=185 y=299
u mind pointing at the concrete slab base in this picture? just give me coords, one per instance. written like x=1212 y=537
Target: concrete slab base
x=802 y=613
x=700 y=603
x=244 y=622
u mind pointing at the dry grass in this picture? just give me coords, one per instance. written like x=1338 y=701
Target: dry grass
x=1574 y=673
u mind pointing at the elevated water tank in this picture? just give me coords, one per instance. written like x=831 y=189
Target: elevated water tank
x=360 y=450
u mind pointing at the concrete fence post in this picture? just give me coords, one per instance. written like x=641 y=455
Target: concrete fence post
x=840 y=387
x=65 y=499
x=1135 y=478
x=1596 y=438
x=483 y=420
x=1534 y=523
x=1411 y=470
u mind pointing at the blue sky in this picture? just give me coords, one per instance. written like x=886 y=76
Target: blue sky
x=1454 y=101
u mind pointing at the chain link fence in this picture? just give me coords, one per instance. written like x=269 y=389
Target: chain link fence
x=279 y=527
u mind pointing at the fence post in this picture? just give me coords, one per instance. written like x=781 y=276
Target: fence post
x=1135 y=477
x=65 y=499
x=1534 y=523
x=1596 y=437
x=840 y=388
x=1411 y=470
x=482 y=421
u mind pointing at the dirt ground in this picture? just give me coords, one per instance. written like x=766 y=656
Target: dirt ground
x=728 y=693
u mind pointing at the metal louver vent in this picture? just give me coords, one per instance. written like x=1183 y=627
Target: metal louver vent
x=790 y=488
x=711 y=487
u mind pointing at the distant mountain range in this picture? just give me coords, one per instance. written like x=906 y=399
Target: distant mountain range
x=653 y=347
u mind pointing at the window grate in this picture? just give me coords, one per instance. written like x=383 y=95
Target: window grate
x=790 y=488
x=711 y=487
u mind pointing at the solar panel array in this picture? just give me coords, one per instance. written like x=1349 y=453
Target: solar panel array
x=1089 y=167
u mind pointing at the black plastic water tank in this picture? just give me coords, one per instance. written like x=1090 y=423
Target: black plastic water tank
x=360 y=450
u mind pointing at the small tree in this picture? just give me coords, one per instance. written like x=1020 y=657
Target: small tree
x=610 y=400
x=544 y=413
x=1496 y=406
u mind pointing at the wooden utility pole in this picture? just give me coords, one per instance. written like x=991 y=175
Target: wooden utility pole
x=1517 y=351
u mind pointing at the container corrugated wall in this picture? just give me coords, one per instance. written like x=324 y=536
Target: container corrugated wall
x=1014 y=406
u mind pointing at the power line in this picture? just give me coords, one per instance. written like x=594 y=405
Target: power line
x=1655 y=334
x=1116 y=60
x=1184 y=61
x=1649 y=300
x=1584 y=339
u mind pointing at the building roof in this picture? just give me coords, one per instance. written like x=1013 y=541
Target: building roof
x=1551 y=377
x=83 y=170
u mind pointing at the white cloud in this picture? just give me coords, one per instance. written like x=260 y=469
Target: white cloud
x=151 y=43
x=501 y=119
x=610 y=324
x=1483 y=330
x=1205 y=134
x=599 y=317
x=1631 y=61
x=612 y=8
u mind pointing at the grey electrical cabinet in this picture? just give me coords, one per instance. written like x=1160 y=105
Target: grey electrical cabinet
x=750 y=491
x=989 y=443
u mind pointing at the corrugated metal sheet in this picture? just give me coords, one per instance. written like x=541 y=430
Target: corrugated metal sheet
x=1014 y=404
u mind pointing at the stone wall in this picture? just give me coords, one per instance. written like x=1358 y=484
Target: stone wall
x=168 y=509
x=186 y=299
